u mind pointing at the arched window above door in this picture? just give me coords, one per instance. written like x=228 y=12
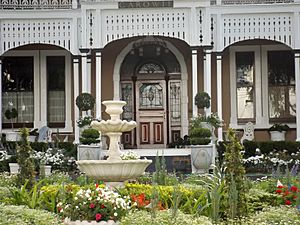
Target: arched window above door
x=150 y=67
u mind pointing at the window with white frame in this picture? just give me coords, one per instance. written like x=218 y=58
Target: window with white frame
x=281 y=85
x=245 y=85
x=56 y=90
x=17 y=90
x=262 y=85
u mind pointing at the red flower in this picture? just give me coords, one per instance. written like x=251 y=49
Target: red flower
x=102 y=206
x=294 y=189
x=97 y=185
x=92 y=205
x=288 y=202
x=278 y=191
x=280 y=186
x=98 y=216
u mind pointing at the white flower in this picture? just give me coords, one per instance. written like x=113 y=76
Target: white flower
x=115 y=214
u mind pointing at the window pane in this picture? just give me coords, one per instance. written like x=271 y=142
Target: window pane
x=56 y=89
x=245 y=84
x=17 y=88
x=151 y=96
x=175 y=102
x=281 y=81
x=128 y=98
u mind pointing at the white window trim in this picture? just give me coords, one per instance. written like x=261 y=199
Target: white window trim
x=40 y=85
x=261 y=84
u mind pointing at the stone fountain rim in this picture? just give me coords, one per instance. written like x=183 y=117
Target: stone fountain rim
x=114 y=101
x=108 y=162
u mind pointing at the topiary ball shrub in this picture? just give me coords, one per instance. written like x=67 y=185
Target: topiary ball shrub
x=89 y=136
x=202 y=100
x=200 y=136
x=85 y=101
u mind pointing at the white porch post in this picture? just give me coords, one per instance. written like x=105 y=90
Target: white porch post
x=84 y=74
x=207 y=76
x=194 y=79
x=219 y=94
x=98 y=84
x=297 y=80
x=76 y=93
x=1 y=96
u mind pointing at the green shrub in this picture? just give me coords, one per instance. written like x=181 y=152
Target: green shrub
x=283 y=215
x=70 y=149
x=21 y=215
x=89 y=136
x=39 y=146
x=258 y=199
x=163 y=217
x=200 y=136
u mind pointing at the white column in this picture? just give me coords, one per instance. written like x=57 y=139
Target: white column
x=88 y=74
x=43 y=90
x=194 y=80
x=84 y=85
x=76 y=93
x=297 y=80
x=1 y=96
x=207 y=77
x=116 y=80
x=219 y=94
x=98 y=85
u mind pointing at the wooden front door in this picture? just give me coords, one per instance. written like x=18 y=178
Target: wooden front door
x=151 y=114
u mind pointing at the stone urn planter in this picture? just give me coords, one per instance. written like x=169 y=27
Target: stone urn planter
x=12 y=136
x=89 y=152
x=277 y=135
x=14 y=168
x=202 y=157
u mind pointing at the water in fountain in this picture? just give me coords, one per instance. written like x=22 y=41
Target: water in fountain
x=114 y=169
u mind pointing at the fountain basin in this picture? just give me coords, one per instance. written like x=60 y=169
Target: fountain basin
x=113 y=125
x=113 y=171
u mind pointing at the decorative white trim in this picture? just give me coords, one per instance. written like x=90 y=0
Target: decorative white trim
x=1 y=95
x=297 y=80
x=219 y=95
x=207 y=77
x=98 y=85
x=76 y=93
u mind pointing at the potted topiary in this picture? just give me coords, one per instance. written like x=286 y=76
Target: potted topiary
x=202 y=100
x=11 y=114
x=89 y=149
x=278 y=131
x=202 y=152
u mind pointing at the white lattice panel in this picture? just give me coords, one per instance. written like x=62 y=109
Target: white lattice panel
x=119 y=24
x=15 y=33
x=277 y=27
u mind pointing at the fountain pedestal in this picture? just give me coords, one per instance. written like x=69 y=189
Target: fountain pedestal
x=114 y=169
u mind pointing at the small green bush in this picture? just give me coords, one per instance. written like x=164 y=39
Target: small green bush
x=89 y=136
x=21 y=215
x=163 y=217
x=200 y=136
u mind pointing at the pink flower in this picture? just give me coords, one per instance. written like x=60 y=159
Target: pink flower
x=92 y=205
x=98 y=216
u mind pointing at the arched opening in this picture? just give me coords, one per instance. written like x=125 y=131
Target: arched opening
x=150 y=83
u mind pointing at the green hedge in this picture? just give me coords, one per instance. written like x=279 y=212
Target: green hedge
x=21 y=215
x=264 y=146
x=163 y=217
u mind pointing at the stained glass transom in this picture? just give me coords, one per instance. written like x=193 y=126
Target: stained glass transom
x=175 y=102
x=151 y=68
x=151 y=96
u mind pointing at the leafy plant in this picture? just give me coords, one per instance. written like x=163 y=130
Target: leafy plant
x=200 y=136
x=89 y=136
x=85 y=101
x=84 y=121
x=235 y=172
x=25 y=160
x=202 y=100
x=160 y=174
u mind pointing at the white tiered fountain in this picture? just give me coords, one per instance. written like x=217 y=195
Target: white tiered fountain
x=114 y=170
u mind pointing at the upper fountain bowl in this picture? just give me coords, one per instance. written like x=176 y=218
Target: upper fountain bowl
x=113 y=125
x=114 y=108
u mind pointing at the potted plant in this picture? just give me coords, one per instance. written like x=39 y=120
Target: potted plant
x=278 y=131
x=202 y=152
x=11 y=114
x=89 y=149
